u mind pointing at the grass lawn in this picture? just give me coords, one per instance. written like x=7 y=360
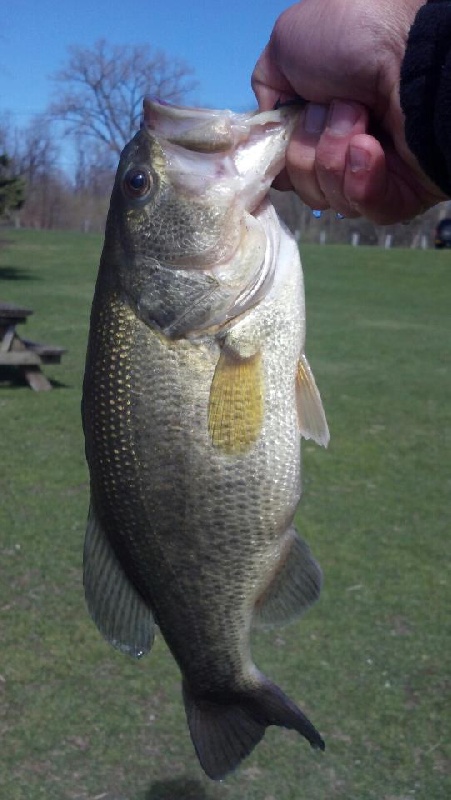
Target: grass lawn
x=370 y=663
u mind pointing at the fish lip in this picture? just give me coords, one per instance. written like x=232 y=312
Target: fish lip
x=248 y=149
x=239 y=126
x=175 y=110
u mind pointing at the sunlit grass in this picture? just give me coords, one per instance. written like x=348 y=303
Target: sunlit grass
x=370 y=664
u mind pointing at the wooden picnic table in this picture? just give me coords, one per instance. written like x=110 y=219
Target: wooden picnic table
x=26 y=356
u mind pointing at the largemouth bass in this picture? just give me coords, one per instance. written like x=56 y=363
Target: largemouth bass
x=196 y=393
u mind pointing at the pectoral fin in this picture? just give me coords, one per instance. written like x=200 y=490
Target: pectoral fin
x=311 y=416
x=295 y=585
x=118 y=610
x=235 y=412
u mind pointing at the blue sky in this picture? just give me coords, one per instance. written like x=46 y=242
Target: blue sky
x=221 y=41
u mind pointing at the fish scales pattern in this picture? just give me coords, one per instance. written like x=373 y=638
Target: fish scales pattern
x=173 y=482
x=196 y=393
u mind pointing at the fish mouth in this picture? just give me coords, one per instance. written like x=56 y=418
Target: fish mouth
x=211 y=152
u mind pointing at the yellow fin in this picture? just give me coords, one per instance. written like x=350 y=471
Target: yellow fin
x=312 y=419
x=235 y=412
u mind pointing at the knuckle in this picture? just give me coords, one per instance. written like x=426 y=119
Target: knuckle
x=330 y=159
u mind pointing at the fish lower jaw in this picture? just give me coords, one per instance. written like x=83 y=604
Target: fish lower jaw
x=260 y=206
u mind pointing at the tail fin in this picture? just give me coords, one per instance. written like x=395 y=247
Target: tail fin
x=225 y=731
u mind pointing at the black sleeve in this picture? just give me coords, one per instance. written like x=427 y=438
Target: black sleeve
x=425 y=91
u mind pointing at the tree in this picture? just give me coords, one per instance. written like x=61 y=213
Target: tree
x=36 y=160
x=12 y=187
x=100 y=90
x=37 y=155
x=95 y=168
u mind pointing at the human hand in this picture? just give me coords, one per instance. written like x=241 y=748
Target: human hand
x=348 y=151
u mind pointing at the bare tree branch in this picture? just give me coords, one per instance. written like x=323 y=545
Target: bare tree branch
x=99 y=92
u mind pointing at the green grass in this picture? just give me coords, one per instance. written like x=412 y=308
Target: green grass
x=370 y=663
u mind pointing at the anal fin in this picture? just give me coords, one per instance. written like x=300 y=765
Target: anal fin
x=295 y=585
x=116 y=607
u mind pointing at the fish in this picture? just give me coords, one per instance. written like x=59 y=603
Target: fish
x=196 y=393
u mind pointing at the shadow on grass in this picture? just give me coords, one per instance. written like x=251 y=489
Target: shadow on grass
x=14 y=379
x=8 y=273
x=177 y=789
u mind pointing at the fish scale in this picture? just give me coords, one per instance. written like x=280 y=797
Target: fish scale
x=193 y=429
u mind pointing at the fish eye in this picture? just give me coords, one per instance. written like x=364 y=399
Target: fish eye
x=137 y=182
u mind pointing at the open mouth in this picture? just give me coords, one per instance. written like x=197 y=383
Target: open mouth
x=213 y=153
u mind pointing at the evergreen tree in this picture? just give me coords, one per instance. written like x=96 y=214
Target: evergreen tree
x=12 y=187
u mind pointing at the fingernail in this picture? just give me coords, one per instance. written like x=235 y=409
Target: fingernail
x=342 y=118
x=359 y=160
x=315 y=118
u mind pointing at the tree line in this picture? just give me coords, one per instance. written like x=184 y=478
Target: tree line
x=96 y=111
x=97 y=108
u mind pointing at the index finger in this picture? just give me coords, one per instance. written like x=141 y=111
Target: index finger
x=269 y=84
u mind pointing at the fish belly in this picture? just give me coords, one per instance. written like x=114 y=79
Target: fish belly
x=197 y=530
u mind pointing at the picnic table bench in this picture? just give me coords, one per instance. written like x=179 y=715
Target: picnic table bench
x=26 y=356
